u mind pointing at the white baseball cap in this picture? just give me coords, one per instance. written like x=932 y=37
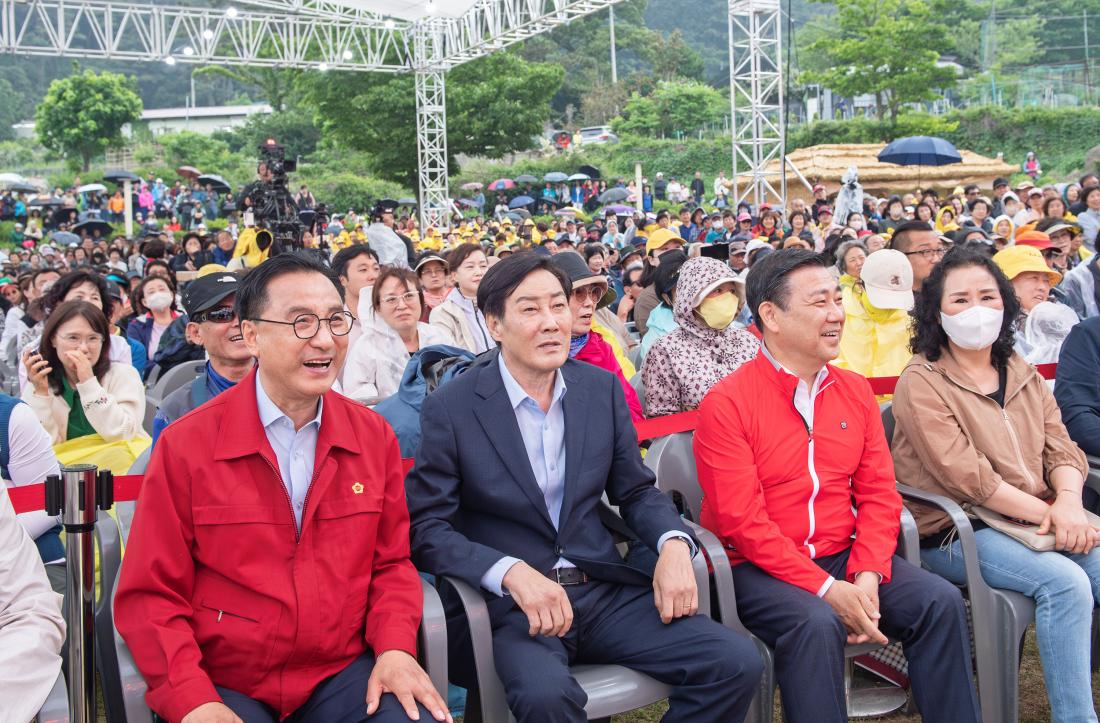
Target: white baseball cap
x=887 y=277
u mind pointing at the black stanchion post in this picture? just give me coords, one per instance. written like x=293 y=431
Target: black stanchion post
x=77 y=495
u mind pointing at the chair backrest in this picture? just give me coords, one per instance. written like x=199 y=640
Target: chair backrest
x=639 y=388
x=142 y=461
x=672 y=459
x=175 y=378
x=887 y=409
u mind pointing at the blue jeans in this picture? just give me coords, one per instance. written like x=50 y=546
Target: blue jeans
x=1065 y=588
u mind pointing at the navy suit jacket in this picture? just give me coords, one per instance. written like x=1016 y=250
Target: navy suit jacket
x=473 y=498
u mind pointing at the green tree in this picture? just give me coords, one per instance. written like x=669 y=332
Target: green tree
x=277 y=86
x=495 y=105
x=83 y=115
x=885 y=48
x=674 y=107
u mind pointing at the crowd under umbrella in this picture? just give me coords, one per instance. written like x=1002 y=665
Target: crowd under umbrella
x=502 y=184
x=613 y=195
x=920 y=151
x=526 y=178
x=579 y=177
x=555 y=177
x=471 y=186
x=65 y=238
x=219 y=184
x=520 y=202
x=91 y=226
x=22 y=187
x=119 y=176
x=189 y=172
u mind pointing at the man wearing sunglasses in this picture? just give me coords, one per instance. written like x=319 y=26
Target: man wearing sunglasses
x=213 y=325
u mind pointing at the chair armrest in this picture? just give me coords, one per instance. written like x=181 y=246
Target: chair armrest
x=909 y=538
x=723 y=576
x=494 y=704
x=109 y=542
x=980 y=594
x=702 y=581
x=432 y=638
x=1092 y=478
x=56 y=707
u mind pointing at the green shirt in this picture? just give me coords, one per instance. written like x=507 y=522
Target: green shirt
x=79 y=426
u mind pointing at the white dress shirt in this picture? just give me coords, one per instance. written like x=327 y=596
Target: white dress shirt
x=294 y=449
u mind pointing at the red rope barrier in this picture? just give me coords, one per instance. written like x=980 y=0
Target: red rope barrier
x=33 y=497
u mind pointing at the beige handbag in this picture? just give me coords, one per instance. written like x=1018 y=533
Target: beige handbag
x=1023 y=532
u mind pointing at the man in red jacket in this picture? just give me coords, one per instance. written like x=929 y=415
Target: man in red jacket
x=267 y=573
x=799 y=484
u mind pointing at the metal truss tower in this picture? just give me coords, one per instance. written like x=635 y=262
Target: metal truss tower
x=308 y=34
x=431 y=123
x=756 y=101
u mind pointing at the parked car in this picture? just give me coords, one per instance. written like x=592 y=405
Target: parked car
x=596 y=135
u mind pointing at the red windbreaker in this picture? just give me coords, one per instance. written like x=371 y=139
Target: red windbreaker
x=218 y=587
x=598 y=352
x=782 y=494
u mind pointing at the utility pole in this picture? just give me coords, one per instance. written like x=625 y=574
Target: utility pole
x=614 y=61
x=1088 y=83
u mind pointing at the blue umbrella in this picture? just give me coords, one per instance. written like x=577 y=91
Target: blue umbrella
x=920 y=151
x=520 y=202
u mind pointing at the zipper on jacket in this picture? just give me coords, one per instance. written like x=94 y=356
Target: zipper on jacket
x=289 y=502
x=1016 y=448
x=813 y=474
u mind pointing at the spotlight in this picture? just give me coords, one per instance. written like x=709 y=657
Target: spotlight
x=323 y=67
x=231 y=12
x=347 y=55
x=389 y=24
x=169 y=60
x=188 y=51
x=208 y=34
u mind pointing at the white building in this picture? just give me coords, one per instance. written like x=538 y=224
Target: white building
x=159 y=121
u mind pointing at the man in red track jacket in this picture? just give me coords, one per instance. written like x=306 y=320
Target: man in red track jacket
x=799 y=484
x=268 y=573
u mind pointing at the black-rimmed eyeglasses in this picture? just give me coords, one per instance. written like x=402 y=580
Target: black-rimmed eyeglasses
x=306 y=326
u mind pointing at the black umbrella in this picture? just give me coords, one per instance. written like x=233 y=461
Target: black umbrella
x=120 y=176
x=387 y=204
x=23 y=187
x=526 y=178
x=219 y=184
x=920 y=151
x=90 y=227
x=44 y=202
x=64 y=238
x=592 y=171
x=613 y=195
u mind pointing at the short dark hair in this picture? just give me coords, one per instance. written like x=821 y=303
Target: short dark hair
x=252 y=293
x=1053 y=199
x=1086 y=178
x=154 y=249
x=971 y=187
x=987 y=204
x=503 y=278
x=344 y=257
x=768 y=280
x=56 y=293
x=591 y=249
x=138 y=294
x=900 y=239
x=460 y=253
x=401 y=273
x=630 y=280
x=929 y=338
x=59 y=316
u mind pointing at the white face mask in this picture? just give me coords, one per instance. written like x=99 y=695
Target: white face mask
x=976 y=328
x=158 y=301
x=716 y=225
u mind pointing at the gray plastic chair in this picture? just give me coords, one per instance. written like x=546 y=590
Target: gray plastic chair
x=639 y=387
x=109 y=542
x=672 y=459
x=611 y=689
x=431 y=644
x=175 y=378
x=56 y=707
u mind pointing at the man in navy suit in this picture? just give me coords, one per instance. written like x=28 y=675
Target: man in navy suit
x=505 y=495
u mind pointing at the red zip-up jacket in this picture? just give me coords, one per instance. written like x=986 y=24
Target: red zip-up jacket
x=782 y=494
x=219 y=588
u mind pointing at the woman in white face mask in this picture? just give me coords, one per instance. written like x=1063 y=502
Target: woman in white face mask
x=977 y=424
x=157 y=299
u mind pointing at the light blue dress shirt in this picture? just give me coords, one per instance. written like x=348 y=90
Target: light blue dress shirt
x=294 y=449
x=544 y=439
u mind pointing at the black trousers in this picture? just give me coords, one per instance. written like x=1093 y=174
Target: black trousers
x=922 y=610
x=713 y=670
